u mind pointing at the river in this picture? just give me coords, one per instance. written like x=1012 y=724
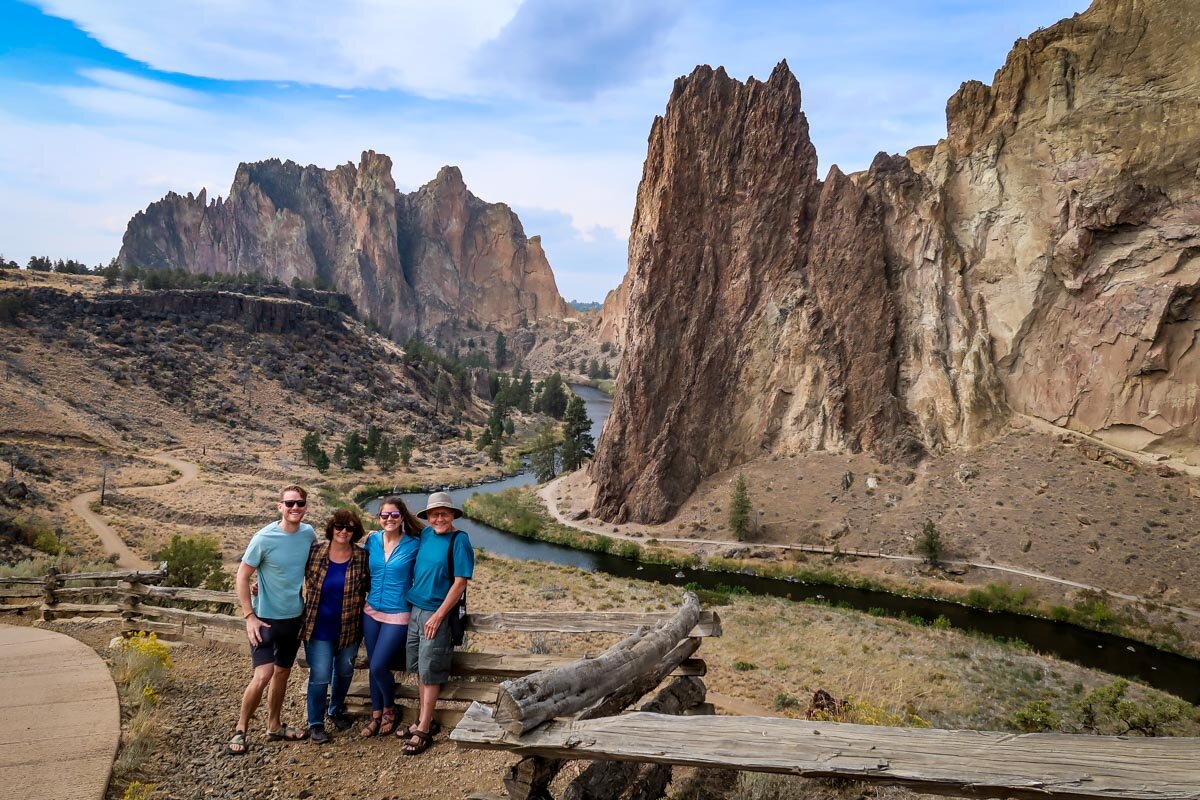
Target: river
x=1113 y=654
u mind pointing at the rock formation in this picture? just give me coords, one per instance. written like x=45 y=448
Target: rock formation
x=1044 y=258
x=412 y=262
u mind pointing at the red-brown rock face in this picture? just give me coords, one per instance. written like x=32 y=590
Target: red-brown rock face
x=1045 y=257
x=412 y=262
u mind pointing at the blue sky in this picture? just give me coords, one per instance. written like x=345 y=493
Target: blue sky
x=544 y=104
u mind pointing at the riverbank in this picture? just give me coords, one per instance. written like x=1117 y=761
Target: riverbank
x=519 y=511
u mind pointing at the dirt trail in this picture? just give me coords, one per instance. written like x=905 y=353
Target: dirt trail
x=549 y=495
x=109 y=538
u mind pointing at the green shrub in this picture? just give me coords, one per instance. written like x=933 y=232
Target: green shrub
x=744 y=666
x=1000 y=597
x=942 y=623
x=1035 y=716
x=929 y=544
x=194 y=561
x=784 y=701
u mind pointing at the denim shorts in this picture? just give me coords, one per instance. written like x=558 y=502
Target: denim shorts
x=429 y=658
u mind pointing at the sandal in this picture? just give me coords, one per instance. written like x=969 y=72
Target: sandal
x=238 y=740
x=388 y=723
x=371 y=728
x=287 y=733
x=407 y=731
x=423 y=741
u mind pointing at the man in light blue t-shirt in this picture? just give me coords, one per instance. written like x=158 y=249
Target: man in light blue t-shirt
x=278 y=553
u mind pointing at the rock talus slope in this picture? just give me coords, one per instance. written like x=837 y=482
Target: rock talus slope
x=1043 y=258
x=412 y=262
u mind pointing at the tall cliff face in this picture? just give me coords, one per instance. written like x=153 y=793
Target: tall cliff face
x=411 y=261
x=1044 y=257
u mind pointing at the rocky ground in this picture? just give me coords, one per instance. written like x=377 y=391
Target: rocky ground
x=773 y=655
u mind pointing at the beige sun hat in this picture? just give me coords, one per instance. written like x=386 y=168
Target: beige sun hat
x=439 y=500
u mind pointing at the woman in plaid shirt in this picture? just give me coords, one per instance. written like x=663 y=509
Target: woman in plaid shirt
x=336 y=580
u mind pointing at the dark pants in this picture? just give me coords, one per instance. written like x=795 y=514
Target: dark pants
x=327 y=664
x=385 y=652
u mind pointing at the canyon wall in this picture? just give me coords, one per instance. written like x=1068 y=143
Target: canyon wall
x=412 y=262
x=1043 y=258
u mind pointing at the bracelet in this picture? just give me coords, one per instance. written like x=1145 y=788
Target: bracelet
x=248 y=616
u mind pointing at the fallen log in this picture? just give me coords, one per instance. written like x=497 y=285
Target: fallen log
x=530 y=778
x=527 y=702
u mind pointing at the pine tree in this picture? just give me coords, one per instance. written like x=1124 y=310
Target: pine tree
x=494 y=452
x=386 y=456
x=354 y=451
x=578 y=445
x=442 y=392
x=501 y=350
x=739 y=509
x=371 y=446
x=404 y=451
x=553 y=399
x=321 y=461
x=543 y=456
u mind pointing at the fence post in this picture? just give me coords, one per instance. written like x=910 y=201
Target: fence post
x=49 y=599
x=131 y=600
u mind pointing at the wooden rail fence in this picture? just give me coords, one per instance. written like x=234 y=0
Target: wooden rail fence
x=551 y=708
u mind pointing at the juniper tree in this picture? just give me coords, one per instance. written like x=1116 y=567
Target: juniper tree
x=739 y=509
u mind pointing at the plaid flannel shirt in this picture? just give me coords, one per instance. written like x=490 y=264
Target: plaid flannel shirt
x=358 y=580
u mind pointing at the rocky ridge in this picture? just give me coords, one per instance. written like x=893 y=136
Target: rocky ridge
x=411 y=262
x=1044 y=258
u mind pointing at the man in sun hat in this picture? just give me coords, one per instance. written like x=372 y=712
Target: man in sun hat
x=442 y=568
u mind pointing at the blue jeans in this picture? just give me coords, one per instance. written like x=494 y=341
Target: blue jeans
x=327 y=664
x=385 y=652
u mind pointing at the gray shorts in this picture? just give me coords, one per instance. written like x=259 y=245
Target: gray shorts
x=429 y=658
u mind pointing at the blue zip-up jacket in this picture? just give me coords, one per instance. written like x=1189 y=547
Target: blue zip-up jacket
x=391 y=578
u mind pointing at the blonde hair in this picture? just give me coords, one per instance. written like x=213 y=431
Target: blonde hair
x=293 y=488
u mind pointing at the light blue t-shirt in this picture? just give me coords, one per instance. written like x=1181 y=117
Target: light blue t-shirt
x=279 y=557
x=431 y=572
x=391 y=577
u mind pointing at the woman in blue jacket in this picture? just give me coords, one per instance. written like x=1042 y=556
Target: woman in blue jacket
x=390 y=555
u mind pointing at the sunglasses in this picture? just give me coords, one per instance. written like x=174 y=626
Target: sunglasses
x=295 y=503
x=343 y=528
x=390 y=515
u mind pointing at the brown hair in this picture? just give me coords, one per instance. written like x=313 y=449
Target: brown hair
x=293 y=488
x=345 y=518
x=409 y=524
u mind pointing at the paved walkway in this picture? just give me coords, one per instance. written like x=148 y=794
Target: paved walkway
x=62 y=719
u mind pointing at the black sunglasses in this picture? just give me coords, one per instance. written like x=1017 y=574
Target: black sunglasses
x=295 y=503
x=343 y=528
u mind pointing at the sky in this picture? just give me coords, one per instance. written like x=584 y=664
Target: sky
x=106 y=105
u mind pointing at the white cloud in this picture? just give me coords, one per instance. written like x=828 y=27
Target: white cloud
x=419 y=46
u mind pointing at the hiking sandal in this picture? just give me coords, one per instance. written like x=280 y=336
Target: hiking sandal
x=371 y=728
x=407 y=731
x=424 y=740
x=238 y=740
x=287 y=733
x=387 y=723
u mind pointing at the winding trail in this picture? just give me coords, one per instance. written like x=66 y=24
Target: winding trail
x=109 y=538
x=549 y=495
